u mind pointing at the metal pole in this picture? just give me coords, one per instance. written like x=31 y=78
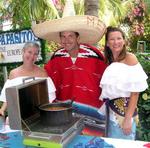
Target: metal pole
x=5 y=73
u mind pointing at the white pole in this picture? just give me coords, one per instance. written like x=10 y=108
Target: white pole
x=5 y=73
x=69 y=9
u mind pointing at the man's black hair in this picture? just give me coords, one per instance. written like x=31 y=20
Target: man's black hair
x=76 y=33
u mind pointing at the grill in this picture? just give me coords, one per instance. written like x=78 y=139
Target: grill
x=23 y=102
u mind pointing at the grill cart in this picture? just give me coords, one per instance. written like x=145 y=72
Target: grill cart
x=24 y=115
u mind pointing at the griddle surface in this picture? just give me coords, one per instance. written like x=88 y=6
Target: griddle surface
x=39 y=127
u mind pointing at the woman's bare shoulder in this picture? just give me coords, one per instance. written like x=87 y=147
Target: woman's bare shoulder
x=131 y=59
x=14 y=73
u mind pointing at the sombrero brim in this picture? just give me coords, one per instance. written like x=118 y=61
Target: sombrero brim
x=90 y=28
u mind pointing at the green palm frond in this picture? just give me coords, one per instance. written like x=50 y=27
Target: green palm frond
x=115 y=10
x=79 y=7
x=42 y=10
x=102 y=6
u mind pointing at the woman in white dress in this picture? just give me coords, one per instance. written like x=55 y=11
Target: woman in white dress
x=27 y=69
x=121 y=83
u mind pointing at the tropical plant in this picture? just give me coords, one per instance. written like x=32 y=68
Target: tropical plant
x=41 y=10
x=112 y=12
x=137 y=20
x=23 y=12
x=143 y=130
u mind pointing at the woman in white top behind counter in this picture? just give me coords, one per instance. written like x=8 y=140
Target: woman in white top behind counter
x=27 y=69
x=121 y=83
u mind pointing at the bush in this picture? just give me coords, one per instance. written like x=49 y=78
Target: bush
x=143 y=129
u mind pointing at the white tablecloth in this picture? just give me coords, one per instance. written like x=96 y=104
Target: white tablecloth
x=119 y=143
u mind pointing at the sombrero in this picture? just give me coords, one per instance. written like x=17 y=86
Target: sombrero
x=90 y=28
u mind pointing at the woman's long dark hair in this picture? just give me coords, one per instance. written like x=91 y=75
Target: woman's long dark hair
x=107 y=51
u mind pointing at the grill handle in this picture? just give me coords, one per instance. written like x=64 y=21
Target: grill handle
x=27 y=79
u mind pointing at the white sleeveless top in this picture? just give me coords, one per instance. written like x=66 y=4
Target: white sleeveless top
x=19 y=80
x=119 y=80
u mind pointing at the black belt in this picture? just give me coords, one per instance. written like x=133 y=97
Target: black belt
x=119 y=105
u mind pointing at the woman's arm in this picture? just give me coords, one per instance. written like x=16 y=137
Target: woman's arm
x=127 y=122
x=3 y=108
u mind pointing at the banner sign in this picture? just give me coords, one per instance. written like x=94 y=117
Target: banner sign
x=11 y=45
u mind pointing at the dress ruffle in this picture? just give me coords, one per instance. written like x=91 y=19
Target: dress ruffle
x=119 y=80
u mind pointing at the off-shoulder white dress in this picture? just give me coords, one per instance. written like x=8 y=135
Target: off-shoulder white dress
x=119 y=80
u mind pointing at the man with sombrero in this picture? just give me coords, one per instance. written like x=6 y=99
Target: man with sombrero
x=77 y=67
